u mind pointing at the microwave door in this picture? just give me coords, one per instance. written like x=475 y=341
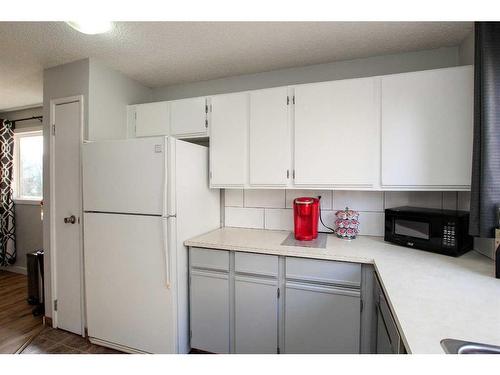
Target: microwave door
x=413 y=229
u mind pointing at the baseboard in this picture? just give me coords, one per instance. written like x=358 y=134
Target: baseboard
x=15 y=269
x=107 y=344
x=47 y=321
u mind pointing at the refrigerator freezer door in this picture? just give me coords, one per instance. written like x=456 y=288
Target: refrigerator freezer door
x=128 y=303
x=126 y=176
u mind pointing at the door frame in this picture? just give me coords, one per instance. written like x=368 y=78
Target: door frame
x=52 y=223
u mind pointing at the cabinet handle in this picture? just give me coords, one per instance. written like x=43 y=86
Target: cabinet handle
x=287 y=173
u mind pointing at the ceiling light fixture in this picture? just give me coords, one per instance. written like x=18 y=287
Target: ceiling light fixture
x=91 y=27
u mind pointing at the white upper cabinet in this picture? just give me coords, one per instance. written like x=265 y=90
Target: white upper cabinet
x=188 y=118
x=427 y=120
x=228 y=140
x=269 y=137
x=337 y=134
x=152 y=119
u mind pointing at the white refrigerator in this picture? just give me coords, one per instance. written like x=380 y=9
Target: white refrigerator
x=142 y=199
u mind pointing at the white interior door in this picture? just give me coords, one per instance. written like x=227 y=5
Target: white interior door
x=66 y=223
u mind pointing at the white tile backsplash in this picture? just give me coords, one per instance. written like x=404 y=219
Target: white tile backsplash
x=326 y=197
x=463 y=200
x=428 y=199
x=279 y=218
x=272 y=209
x=371 y=223
x=233 y=197
x=244 y=217
x=264 y=198
x=449 y=200
x=358 y=200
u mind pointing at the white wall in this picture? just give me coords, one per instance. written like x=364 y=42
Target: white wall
x=106 y=93
x=466 y=50
x=109 y=94
x=272 y=209
x=370 y=66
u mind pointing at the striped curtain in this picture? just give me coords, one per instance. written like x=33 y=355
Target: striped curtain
x=7 y=221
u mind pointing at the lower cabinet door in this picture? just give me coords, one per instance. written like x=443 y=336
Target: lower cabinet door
x=209 y=311
x=256 y=315
x=321 y=319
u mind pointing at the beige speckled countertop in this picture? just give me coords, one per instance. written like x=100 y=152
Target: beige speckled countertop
x=432 y=296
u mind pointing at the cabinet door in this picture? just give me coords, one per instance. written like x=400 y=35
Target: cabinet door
x=427 y=120
x=256 y=315
x=321 y=319
x=209 y=310
x=228 y=140
x=269 y=137
x=152 y=119
x=337 y=133
x=188 y=118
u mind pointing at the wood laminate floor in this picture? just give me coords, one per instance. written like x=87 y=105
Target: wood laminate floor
x=56 y=341
x=17 y=323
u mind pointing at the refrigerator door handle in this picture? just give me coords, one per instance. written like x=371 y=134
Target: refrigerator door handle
x=166 y=168
x=166 y=251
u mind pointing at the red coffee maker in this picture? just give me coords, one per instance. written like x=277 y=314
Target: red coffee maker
x=305 y=218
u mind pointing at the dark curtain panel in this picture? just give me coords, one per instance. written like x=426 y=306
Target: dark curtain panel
x=7 y=222
x=485 y=190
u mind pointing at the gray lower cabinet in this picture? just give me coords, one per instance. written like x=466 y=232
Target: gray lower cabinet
x=256 y=303
x=321 y=319
x=255 y=315
x=209 y=296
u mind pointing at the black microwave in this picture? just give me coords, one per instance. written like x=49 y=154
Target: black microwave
x=439 y=231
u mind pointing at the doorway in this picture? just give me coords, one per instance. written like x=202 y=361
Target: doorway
x=66 y=238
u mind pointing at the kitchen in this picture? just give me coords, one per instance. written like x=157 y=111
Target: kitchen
x=320 y=209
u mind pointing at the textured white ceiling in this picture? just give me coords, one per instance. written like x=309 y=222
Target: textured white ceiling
x=165 y=53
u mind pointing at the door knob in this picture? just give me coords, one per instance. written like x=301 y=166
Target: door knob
x=70 y=220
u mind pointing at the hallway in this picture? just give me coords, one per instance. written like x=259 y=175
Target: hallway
x=17 y=324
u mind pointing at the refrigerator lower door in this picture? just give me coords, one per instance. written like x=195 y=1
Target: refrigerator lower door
x=128 y=302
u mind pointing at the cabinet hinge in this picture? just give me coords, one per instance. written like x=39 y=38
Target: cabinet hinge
x=206 y=108
x=206 y=123
x=278 y=293
x=278 y=350
x=361 y=306
x=293 y=174
x=53 y=129
x=55 y=305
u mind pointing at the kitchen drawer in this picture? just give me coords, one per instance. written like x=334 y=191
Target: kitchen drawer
x=323 y=271
x=258 y=264
x=210 y=259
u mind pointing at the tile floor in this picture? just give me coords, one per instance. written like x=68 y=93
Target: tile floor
x=55 y=341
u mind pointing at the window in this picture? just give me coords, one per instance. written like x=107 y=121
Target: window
x=28 y=161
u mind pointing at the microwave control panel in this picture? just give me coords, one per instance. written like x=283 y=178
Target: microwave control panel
x=449 y=237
